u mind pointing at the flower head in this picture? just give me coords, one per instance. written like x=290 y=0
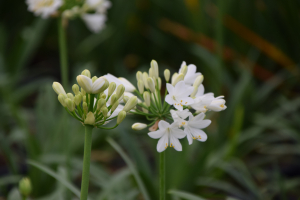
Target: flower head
x=169 y=135
x=44 y=8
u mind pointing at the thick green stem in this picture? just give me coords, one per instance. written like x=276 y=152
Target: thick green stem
x=63 y=53
x=86 y=162
x=162 y=176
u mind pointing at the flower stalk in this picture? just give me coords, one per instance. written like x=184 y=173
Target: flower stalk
x=162 y=176
x=86 y=162
x=63 y=53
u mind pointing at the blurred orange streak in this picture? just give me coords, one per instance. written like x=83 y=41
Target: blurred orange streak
x=260 y=43
x=188 y=35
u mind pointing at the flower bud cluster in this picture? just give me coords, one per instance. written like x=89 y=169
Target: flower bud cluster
x=184 y=103
x=97 y=101
x=92 y=12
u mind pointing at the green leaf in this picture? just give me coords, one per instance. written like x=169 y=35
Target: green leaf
x=185 y=195
x=131 y=167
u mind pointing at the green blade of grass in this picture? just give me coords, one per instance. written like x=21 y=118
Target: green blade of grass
x=185 y=195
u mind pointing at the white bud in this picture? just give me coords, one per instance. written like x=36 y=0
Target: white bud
x=78 y=99
x=120 y=91
x=139 y=76
x=111 y=88
x=94 y=78
x=174 y=77
x=154 y=66
x=138 y=126
x=121 y=116
x=198 y=81
x=151 y=84
x=184 y=70
x=90 y=119
x=167 y=75
x=147 y=100
x=141 y=86
x=75 y=89
x=159 y=83
x=145 y=77
x=178 y=78
x=131 y=103
x=71 y=96
x=58 y=88
x=86 y=73
x=151 y=73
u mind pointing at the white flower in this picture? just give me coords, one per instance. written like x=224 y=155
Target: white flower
x=44 y=8
x=128 y=86
x=99 y=5
x=193 y=125
x=87 y=84
x=169 y=135
x=202 y=100
x=217 y=104
x=138 y=126
x=95 y=22
x=191 y=74
x=178 y=95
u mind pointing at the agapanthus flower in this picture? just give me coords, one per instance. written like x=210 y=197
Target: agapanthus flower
x=178 y=112
x=97 y=103
x=44 y=8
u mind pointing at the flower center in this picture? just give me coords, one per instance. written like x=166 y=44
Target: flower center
x=174 y=98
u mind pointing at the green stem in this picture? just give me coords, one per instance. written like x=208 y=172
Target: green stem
x=63 y=53
x=86 y=162
x=162 y=176
x=24 y=197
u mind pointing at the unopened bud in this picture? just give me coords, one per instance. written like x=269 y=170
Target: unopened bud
x=104 y=87
x=103 y=96
x=145 y=77
x=113 y=99
x=147 y=100
x=25 y=186
x=101 y=103
x=159 y=83
x=71 y=96
x=78 y=99
x=90 y=119
x=85 y=107
x=83 y=92
x=104 y=111
x=194 y=92
x=113 y=108
x=94 y=78
x=84 y=98
x=151 y=84
x=61 y=99
x=131 y=103
x=125 y=99
x=111 y=88
x=174 y=77
x=141 y=86
x=167 y=75
x=178 y=78
x=86 y=73
x=75 y=89
x=139 y=76
x=121 y=116
x=138 y=126
x=198 y=81
x=184 y=70
x=144 y=109
x=154 y=66
x=70 y=104
x=151 y=72
x=58 y=88
x=120 y=91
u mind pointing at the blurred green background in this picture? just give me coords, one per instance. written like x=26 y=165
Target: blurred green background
x=246 y=50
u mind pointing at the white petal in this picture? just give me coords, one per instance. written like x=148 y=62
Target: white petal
x=198 y=134
x=128 y=86
x=182 y=64
x=187 y=101
x=178 y=107
x=170 y=88
x=163 y=143
x=95 y=22
x=98 y=84
x=86 y=83
x=156 y=134
x=200 y=91
x=188 y=135
x=175 y=143
x=184 y=114
x=178 y=133
x=182 y=90
x=169 y=99
x=163 y=125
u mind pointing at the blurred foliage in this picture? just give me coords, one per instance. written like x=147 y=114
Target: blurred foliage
x=247 y=51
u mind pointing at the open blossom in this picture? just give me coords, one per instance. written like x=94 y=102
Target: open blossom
x=191 y=74
x=217 y=104
x=95 y=22
x=169 y=135
x=128 y=86
x=179 y=95
x=193 y=126
x=44 y=8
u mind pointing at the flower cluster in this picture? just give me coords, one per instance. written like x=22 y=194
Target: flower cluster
x=93 y=12
x=184 y=104
x=98 y=101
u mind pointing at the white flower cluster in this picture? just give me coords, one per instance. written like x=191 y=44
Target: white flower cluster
x=93 y=12
x=186 y=95
x=98 y=101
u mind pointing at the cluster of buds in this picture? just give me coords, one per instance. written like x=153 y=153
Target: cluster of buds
x=184 y=104
x=93 y=12
x=97 y=102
